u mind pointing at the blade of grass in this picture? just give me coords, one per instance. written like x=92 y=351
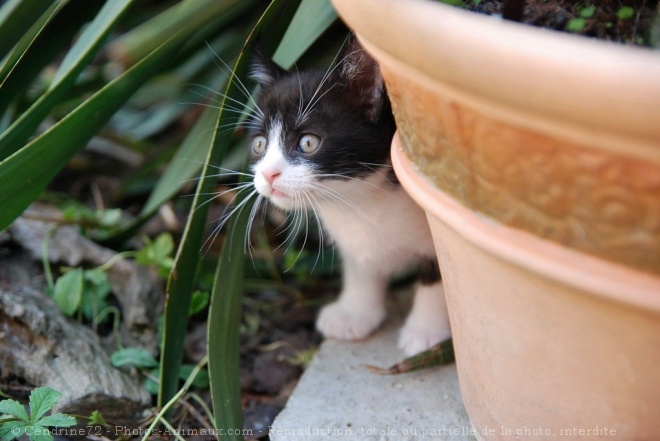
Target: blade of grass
x=172 y=93
x=46 y=40
x=190 y=156
x=16 y=17
x=225 y=310
x=441 y=353
x=182 y=278
x=132 y=46
x=224 y=326
x=26 y=173
x=301 y=35
x=225 y=304
x=185 y=164
x=80 y=54
x=26 y=38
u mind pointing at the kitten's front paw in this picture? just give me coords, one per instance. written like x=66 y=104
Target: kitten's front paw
x=344 y=323
x=414 y=338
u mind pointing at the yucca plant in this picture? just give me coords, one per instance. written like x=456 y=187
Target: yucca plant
x=59 y=88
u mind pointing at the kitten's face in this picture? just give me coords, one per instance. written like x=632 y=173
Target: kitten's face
x=313 y=133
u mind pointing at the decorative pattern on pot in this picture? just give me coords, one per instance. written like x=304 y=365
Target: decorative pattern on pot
x=579 y=196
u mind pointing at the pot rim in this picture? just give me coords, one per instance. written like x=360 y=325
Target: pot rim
x=546 y=258
x=595 y=92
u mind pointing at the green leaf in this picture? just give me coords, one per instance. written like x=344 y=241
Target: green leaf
x=86 y=46
x=68 y=291
x=58 y=420
x=109 y=218
x=198 y=301
x=625 y=13
x=163 y=246
x=225 y=310
x=187 y=162
x=190 y=156
x=224 y=380
x=441 y=353
x=182 y=277
x=74 y=62
x=96 y=289
x=458 y=3
x=14 y=408
x=96 y=419
x=185 y=165
x=37 y=432
x=97 y=277
x=136 y=357
x=25 y=174
x=576 y=24
x=16 y=17
x=224 y=325
x=150 y=384
x=192 y=14
x=201 y=380
x=42 y=44
x=300 y=37
x=42 y=399
x=12 y=430
x=588 y=11
x=158 y=253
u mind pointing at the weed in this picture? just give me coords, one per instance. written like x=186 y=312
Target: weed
x=16 y=422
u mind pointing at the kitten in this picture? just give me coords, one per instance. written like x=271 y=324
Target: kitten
x=321 y=142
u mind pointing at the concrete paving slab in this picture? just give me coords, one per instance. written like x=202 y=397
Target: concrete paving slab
x=337 y=398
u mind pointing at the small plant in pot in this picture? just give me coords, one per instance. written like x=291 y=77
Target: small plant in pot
x=536 y=155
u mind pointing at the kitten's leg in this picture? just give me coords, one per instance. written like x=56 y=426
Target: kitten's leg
x=428 y=321
x=360 y=308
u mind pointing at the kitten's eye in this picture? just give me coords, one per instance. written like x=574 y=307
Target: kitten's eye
x=259 y=144
x=309 y=143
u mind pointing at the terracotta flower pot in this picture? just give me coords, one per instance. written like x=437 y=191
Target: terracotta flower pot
x=537 y=158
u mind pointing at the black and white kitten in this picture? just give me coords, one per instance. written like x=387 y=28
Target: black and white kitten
x=321 y=142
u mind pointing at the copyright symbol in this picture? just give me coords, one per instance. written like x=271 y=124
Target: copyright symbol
x=15 y=430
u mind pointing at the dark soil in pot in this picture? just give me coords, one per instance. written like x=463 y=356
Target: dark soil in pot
x=627 y=22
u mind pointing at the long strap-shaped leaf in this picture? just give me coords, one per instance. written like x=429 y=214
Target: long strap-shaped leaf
x=224 y=314
x=312 y=18
x=182 y=278
x=189 y=158
x=41 y=44
x=26 y=173
x=80 y=54
x=133 y=45
x=26 y=38
x=16 y=17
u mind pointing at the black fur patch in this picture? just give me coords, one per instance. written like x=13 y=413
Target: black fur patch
x=429 y=271
x=355 y=132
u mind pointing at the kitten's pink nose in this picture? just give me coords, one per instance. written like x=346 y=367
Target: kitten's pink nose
x=270 y=175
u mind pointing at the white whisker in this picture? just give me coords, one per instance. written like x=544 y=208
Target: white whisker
x=319 y=254
x=247 y=247
x=326 y=76
x=243 y=108
x=226 y=216
x=243 y=89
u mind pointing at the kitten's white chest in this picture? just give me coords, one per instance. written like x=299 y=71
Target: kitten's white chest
x=380 y=226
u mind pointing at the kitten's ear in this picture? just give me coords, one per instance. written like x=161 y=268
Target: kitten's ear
x=264 y=70
x=362 y=76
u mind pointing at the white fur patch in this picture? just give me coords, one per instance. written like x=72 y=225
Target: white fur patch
x=261 y=74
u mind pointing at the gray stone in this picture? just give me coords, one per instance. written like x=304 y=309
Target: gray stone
x=338 y=398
